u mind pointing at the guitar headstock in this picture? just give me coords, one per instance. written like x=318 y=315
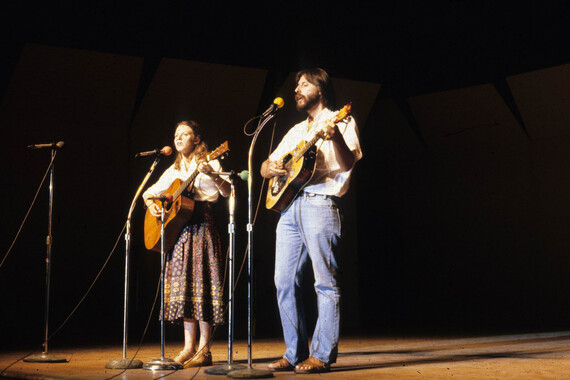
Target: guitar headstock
x=343 y=112
x=219 y=152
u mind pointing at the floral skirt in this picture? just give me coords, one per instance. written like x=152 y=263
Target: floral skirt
x=193 y=278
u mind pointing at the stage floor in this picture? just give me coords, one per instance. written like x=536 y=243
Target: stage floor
x=521 y=356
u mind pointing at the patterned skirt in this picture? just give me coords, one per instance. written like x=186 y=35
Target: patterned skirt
x=193 y=279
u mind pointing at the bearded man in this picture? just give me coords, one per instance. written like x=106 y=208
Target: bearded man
x=309 y=229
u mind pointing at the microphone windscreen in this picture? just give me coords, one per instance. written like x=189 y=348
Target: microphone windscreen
x=60 y=144
x=279 y=102
x=244 y=175
x=167 y=151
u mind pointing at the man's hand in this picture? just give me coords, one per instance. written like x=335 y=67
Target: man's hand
x=331 y=131
x=271 y=169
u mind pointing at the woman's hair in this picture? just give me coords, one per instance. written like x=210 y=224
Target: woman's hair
x=320 y=78
x=200 y=150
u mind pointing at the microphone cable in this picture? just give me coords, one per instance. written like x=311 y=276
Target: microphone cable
x=29 y=210
x=156 y=294
x=214 y=328
x=78 y=304
x=258 y=204
x=244 y=260
x=158 y=288
x=277 y=103
x=92 y=283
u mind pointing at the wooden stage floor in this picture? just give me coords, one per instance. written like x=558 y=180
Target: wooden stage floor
x=522 y=356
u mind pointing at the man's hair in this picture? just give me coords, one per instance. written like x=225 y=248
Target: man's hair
x=320 y=78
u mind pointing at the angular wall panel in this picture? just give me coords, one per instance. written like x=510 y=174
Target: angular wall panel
x=221 y=98
x=543 y=98
x=85 y=99
x=469 y=118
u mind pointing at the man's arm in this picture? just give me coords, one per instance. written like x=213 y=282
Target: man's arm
x=344 y=155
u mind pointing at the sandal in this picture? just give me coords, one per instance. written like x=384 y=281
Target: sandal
x=280 y=365
x=184 y=355
x=312 y=365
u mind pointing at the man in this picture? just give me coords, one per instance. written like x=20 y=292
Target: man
x=310 y=228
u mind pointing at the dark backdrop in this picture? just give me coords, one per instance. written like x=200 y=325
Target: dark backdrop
x=456 y=220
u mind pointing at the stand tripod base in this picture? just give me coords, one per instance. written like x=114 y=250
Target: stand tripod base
x=163 y=365
x=224 y=369
x=250 y=373
x=44 y=357
x=124 y=363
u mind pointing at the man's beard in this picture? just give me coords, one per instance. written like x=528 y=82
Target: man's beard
x=309 y=102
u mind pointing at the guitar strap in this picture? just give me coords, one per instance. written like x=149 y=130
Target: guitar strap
x=189 y=193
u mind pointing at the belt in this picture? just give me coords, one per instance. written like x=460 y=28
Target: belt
x=322 y=196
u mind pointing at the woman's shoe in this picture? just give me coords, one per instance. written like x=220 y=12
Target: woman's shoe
x=184 y=356
x=199 y=360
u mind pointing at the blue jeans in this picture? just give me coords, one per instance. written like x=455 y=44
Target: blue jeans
x=309 y=228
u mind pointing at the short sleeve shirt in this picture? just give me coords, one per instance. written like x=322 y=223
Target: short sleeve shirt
x=204 y=187
x=328 y=179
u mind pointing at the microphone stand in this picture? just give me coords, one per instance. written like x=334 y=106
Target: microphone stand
x=124 y=362
x=249 y=372
x=46 y=357
x=162 y=363
x=223 y=369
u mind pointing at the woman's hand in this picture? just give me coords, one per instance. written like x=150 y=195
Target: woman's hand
x=206 y=168
x=155 y=210
x=222 y=184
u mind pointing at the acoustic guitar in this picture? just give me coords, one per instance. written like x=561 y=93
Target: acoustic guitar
x=178 y=212
x=300 y=166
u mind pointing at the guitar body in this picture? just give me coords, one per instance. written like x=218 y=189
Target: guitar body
x=300 y=166
x=177 y=214
x=283 y=189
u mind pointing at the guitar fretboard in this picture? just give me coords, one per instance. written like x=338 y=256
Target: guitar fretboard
x=185 y=185
x=344 y=112
x=219 y=151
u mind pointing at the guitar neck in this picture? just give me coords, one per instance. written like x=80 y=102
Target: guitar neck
x=344 y=112
x=218 y=152
x=185 y=185
x=306 y=147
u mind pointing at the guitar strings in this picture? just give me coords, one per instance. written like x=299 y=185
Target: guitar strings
x=78 y=304
x=234 y=285
x=92 y=283
x=158 y=286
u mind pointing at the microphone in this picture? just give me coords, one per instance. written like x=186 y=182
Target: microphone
x=166 y=151
x=56 y=145
x=161 y=197
x=243 y=175
x=277 y=103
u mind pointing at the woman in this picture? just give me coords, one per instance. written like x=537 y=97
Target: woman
x=193 y=283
